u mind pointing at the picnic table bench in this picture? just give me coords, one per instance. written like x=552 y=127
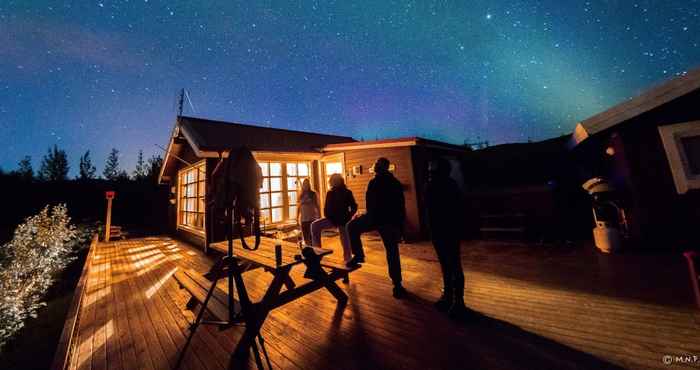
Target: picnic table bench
x=253 y=314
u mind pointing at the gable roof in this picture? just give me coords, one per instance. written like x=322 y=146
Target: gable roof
x=391 y=143
x=207 y=138
x=652 y=98
x=210 y=137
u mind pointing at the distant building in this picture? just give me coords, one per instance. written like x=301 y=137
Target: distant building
x=286 y=157
x=649 y=147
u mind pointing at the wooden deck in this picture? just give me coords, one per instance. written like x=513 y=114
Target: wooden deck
x=545 y=308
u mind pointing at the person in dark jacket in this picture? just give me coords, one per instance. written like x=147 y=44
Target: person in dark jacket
x=339 y=208
x=385 y=213
x=445 y=219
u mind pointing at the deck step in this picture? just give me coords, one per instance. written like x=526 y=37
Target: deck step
x=197 y=285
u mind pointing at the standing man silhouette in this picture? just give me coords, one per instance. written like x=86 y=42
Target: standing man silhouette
x=445 y=217
x=385 y=213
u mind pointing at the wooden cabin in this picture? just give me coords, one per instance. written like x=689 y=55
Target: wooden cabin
x=286 y=157
x=649 y=147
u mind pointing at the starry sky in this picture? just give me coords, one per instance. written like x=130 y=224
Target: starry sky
x=92 y=75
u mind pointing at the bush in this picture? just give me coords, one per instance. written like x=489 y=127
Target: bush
x=40 y=249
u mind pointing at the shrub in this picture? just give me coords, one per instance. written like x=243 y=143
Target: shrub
x=41 y=248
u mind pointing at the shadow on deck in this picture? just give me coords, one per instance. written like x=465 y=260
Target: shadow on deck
x=133 y=317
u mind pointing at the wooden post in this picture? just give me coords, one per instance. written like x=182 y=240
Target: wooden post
x=108 y=223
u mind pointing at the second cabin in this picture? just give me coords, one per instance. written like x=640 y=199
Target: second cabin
x=286 y=157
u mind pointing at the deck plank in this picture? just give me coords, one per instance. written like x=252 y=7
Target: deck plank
x=543 y=308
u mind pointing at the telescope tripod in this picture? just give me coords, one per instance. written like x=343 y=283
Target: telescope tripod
x=228 y=268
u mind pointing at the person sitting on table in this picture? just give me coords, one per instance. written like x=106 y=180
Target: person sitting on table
x=339 y=208
x=308 y=210
x=386 y=214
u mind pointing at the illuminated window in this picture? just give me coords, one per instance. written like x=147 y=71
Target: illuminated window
x=280 y=189
x=191 y=196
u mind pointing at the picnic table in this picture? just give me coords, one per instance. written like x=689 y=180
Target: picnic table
x=255 y=313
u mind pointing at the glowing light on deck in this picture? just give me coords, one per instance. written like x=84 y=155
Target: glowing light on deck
x=155 y=287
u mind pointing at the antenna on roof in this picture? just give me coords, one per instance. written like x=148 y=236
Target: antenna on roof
x=187 y=95
x=180 y=100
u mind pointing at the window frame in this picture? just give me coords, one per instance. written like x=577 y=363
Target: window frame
x=285 y=189
x=671 y=137
x=200 y=167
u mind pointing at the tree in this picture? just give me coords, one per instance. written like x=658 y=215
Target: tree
x=111 y=171
x=141 y=169
x=24 y=169
x=154 y=164
x=87 y=170
x=54 y=165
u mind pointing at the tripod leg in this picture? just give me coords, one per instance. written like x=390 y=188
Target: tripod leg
x=197 y=321
x=264 y=351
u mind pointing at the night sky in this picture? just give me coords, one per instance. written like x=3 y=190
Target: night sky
x=92 y=75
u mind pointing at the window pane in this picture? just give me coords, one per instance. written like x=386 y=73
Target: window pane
x=334 y=167
x=265 y=200
x=292 y=197
x=276 y=199
x=276 y=214
x=265 y=216
x=199 y=220
x=275 y=169
x=201 y=205
x=691 y=147
x=292 y=183
x=292 y=212
x=201 y=189
x=303 y=169
x=265 y=185
x=190 y=204
x=276 y=184
x=190 y=218
x=264 y=168
x=291 y=169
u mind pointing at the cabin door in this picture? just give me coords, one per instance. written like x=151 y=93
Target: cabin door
x=330 y=164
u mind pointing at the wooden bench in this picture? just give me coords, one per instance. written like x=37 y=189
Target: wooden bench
x=197 y=285
x=340 y=269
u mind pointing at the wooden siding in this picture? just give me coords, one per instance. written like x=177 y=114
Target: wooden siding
x=577 y=310
x=401 y=158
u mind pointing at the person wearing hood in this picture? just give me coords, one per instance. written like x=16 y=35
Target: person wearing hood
x=445 y=221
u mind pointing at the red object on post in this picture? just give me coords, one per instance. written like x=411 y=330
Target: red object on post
x=692 y=258
x=110 y=194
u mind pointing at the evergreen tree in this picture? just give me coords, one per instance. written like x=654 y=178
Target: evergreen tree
x=141 y=169
x=54 y=165
x=154 y=164
x=24 y=169
x=87 y=170
x=111 y=171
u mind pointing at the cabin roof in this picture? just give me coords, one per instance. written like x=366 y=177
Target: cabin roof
x=397 y=142
x=652 y=98
x=206 y=135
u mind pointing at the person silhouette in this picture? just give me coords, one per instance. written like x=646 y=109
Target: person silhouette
x=445 y=222
x=308 y=210
x=386 y=213
x=338 y=209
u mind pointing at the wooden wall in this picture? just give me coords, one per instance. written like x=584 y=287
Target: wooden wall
x=401 y=158
x=659 y=217
x=188 y=155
